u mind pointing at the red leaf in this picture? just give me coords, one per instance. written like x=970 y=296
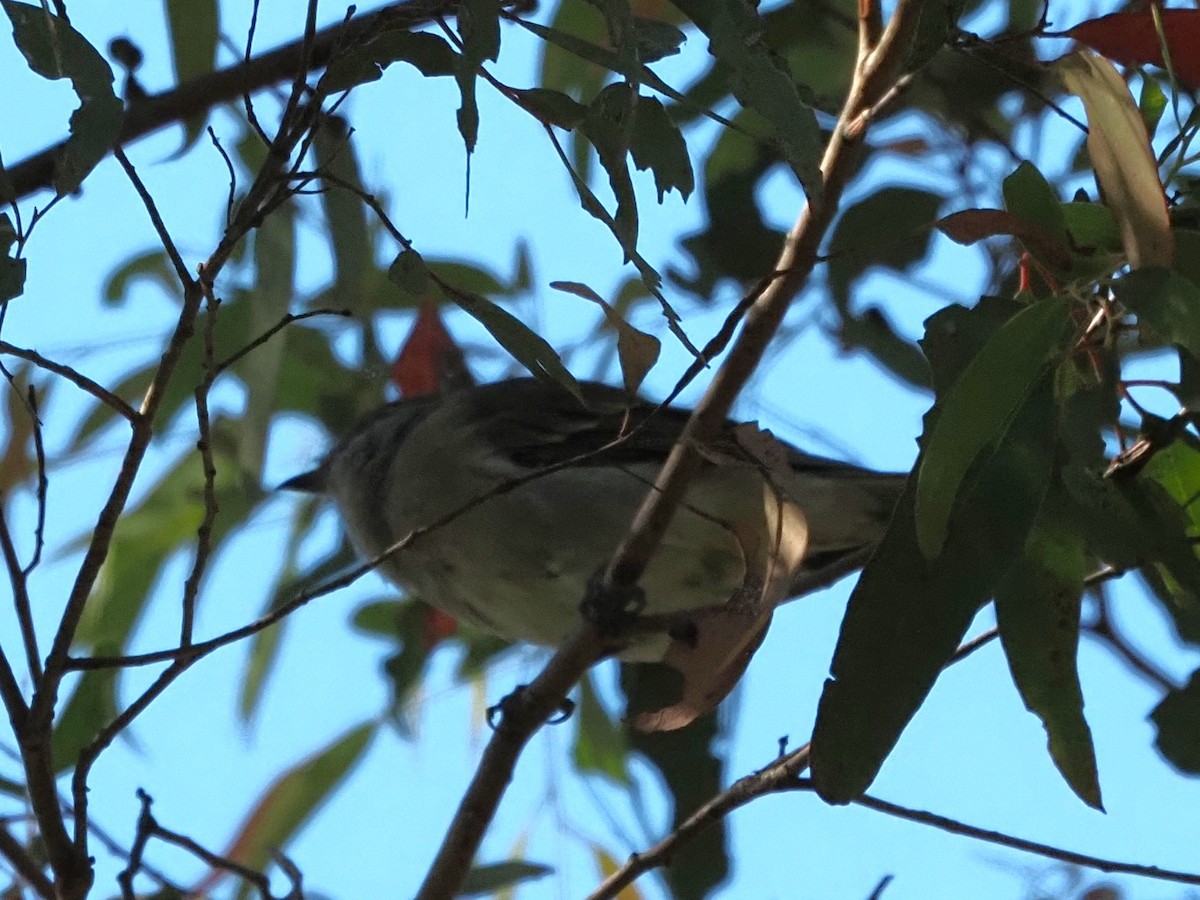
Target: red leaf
x=438 y=627
x=430 y=360
x=970 y=225
x=1132 y=39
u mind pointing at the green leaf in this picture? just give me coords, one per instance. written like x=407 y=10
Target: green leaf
x=936 y=22
x=492 y=877
x=600 y=743
x=658 y=145
x=908 y=613
x=409 y=273
x=345 y=215
x=1166 y=301
x=479 y=28
x=1029 y=196
x=152 y=266
x=1177 y=719
x=656 y=40
x=292 y=799
x=552 y=107
x=1037 y=613
x=609 y=126
x=890 y=227
x=977 y=410
x=429 y=53
x=91 y=707
x=55 y=50
x=525 y=345
x=195 y=28
x=1151 y=104
x=760 y=80
x=693 y=772
x=162 y=523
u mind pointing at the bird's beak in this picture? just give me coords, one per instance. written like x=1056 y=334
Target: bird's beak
x=314 y=482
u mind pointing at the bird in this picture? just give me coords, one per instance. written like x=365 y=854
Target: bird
x=516 y=493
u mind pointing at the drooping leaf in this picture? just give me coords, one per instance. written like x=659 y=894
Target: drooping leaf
x=194 y=27
x=976 y=411
x=637 y=351
x=692 y=771
x=525 y=345
x=609 y=126
x=908 y=613
x=55 y=50
x=345 y=216
x=479 y=28
x=1037 y=613
x=1119 y=146
x=601 y=746
x=152 y=266
x=1133 y=38
x=91 y=706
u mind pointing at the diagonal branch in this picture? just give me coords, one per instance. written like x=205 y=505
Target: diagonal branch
x=876 y=73
x=198 y=95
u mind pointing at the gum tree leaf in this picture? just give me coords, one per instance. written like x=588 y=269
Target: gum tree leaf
x=977 y=410
x=1119 y=147
x=637 y=351
x=908 y=613
x=525 y=345
x=429 y=54
x=658 y=145
x=1177 y=719
x=1037 y=613
x=600 y=743
x=479 y=28
x=693 y=773
x=194 y=26
x=1166 y=301
x=291 y=800
x=55 y=50
x=493 y=877
x=760 y=80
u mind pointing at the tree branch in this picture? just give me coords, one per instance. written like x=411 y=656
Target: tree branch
x=24 y=865
x=876 y=72
x=198 y=95
x=953 y=826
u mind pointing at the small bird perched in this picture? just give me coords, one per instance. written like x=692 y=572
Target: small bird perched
x=514 y=554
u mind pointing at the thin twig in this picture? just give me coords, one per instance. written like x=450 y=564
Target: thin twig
x=1111 y=866
x=195 y=97
x=19 y=581
x=43 y=487
x=875 y=75
x=23 y=864
x=81 y=381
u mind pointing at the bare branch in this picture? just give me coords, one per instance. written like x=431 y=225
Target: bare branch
x=24 y=865
x=953 y=826
x=194 y=97
x=81 y=381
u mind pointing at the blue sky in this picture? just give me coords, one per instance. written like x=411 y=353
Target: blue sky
x=971 y=753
